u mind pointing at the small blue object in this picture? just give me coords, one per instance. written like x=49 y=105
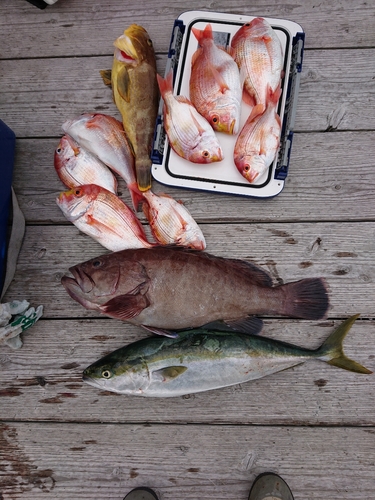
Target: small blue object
x=7 y=150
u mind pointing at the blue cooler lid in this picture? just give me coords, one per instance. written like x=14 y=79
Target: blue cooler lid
x=7 y=150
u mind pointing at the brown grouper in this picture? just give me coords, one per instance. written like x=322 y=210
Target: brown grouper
x=169 y=288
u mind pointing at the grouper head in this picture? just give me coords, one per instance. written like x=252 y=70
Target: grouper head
x=102 y=279
x=134 y=46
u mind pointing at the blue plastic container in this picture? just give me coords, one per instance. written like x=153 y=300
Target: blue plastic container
x=7 y=150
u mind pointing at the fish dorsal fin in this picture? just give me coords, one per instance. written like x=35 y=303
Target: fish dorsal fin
x=125 y=306
x=123 y=83
x=169 y=373
x=255 y=273
x=106 y=74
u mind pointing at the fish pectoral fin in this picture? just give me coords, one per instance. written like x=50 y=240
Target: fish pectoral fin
x=123 y=83
x=169 y=373
x=218 y=78
x=125 y=306
x=197 y=124
x=161 y=331
x=106 y=75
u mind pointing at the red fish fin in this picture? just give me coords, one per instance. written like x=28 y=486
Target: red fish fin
x=306 y=299
x=203 y=34
x=136 y=196
x=197 y=124
x=273 y=96
x=219 y=79
x=165 y=84
x=257 y=110
x=247 y=98
x=125 y=306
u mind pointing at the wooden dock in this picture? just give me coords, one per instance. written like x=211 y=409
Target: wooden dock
x=314 y=424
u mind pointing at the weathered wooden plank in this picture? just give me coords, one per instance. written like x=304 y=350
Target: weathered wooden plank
x=70 y=28
x=107 y=461
x=43 y=381
x=330 y=178
x=343 y=253
x=336 y=93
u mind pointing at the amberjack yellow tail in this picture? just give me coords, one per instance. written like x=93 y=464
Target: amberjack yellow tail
x=332 y=352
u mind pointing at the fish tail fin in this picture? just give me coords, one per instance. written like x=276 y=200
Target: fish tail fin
x=165 y=84
x=306 y=299
x=273 y=96
x=201 y=35
x=136 y=196
x=332 y=352
x=143 y=174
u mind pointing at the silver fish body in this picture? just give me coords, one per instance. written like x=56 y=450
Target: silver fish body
x=202 y=360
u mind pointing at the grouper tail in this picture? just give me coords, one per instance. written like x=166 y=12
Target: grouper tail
x=306 y=299
x=332 y=352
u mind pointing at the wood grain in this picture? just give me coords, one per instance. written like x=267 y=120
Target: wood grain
x=313 y=424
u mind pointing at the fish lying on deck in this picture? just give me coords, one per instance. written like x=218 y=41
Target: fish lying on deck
x=175 y=288
x=200 y=360
x=102 y=215
x=76 y=166
x=136 y=95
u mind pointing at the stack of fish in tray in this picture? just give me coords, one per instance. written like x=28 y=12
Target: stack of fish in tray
x=250 y=70
x=202 y=307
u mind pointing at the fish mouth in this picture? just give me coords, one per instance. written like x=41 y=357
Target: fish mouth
x=252 y=175
x=126 y=52
x=77 y=286
x=90 y=381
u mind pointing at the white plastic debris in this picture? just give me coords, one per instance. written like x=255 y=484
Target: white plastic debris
x=21 y=316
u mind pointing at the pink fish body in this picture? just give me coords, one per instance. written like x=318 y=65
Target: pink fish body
x=215 y=86
x=104 y=136
x=259 y=140
x=189 y=133
x=76 y=166
x=257 y=50
x=104 y=216
x=171 y=222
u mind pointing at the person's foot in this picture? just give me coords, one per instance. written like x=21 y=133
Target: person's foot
x=141 y=494
x=269 y=486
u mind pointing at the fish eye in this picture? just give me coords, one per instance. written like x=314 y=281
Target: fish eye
x=149 y=41
x=97 y=263
x=78 y=192
x=205 y=153
x=58 y=150
x=106 y=374
x=246 y=167
x=215 y=119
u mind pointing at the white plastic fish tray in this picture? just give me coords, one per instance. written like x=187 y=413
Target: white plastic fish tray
x=169 y=168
